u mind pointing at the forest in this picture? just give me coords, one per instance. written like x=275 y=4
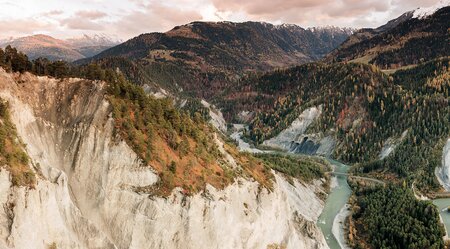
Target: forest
x=363 y=108
x=297 y=166
x=393 y=218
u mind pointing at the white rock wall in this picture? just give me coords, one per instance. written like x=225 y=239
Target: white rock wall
x=85 y=199
x=443 y=173
x=298 y=127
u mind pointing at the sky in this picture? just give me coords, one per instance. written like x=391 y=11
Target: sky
x=124 y=19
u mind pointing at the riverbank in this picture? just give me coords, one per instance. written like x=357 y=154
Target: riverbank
x=335 y=210
x=339 y=227
x=442 y=205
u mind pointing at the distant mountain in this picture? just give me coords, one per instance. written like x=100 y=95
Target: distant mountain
x=93 y=41
x=202 y=58
x=55 y=49
x=414 y=37
x=45 y=46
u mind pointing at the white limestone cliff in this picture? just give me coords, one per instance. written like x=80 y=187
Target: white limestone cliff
x=295 y=139
x=85 y=193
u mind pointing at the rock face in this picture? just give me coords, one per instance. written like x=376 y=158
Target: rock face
x=390 y=144
x=294 y=139
x=85 y=193
x=443 y=173
x=216 y=115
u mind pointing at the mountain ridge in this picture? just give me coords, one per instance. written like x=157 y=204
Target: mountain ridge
x=71 y=49
x=202 y=58
x=406 y=40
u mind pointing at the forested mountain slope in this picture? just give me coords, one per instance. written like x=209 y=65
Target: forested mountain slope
x=362 y=107
x=407 y=40
x=204 y=58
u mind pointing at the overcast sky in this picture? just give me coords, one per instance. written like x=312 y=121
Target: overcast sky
x=125 y=19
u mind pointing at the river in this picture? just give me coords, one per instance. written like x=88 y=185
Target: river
x=442 y=205
x=336 y=200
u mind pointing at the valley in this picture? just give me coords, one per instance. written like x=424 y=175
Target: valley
x=218 y=134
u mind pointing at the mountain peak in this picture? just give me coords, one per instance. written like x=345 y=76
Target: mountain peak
x=333 y=29
x=427 y=11
x=93 y=40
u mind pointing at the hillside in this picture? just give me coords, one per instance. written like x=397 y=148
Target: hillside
x=103 y=164
x=407 y=40
x=36 y=46
x=360 y=107
x=204 y=58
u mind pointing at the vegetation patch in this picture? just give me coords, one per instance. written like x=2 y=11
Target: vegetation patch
x=12 y=155
x=301 y=167
x=179 y=144
x=362 y=107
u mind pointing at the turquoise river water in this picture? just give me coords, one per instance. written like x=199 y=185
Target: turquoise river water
x=339 y=197
x=334 y=203
x=442 y=205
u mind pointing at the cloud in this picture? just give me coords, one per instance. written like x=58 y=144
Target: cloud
x=81 y=24
x=264 y=7
x=153 y=18
x=92 y=15
x=19 y=27
x=356 y=13
x=53 y=13
x=129 y=18
x=84 y=20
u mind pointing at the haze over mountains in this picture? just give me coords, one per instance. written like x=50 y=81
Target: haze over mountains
x=72 y=49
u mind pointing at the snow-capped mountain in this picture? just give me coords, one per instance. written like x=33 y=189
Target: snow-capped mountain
x=93 y=40
x=427 y=11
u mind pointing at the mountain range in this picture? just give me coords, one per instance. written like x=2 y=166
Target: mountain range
x=72 y=49
x=201 y=58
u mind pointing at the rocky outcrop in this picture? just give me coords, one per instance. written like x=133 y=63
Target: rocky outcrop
x=216 y=115
x=390 y=144
x=443 y=173
x=313 y=144
x=86 y=193
x=294 y=139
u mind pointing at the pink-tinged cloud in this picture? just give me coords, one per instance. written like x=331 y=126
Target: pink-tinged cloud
x=154 y=18
x=354 y=13
x=76 y=23
x=92 y=15
x=53 y=13
x=129 y=18
x=18 y=27
x=263 y=7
